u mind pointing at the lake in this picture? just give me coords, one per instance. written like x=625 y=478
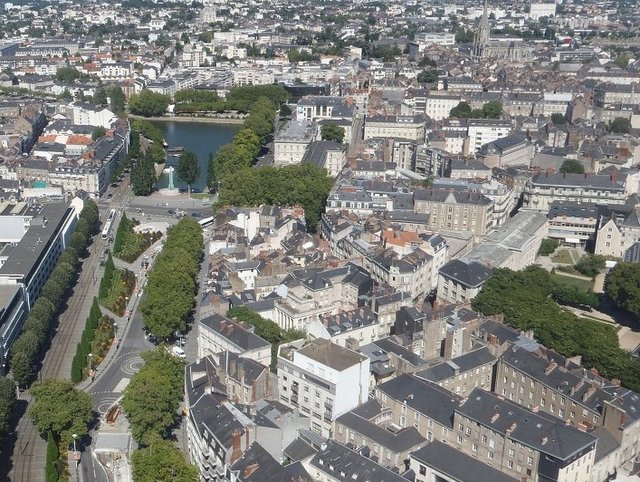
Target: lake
x=199 y=137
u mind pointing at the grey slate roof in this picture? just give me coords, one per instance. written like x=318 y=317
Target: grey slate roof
x=234 y=332
x=425 y=397
x=541 y=432
x=463 y=363
x=580 y=180
x=468 y=273
x=345 y=465
x=457 y=466
x=257 y=465
x=400 y=441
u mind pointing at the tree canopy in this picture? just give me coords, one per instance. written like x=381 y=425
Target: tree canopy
x=572 y=166
x=143 y=176
x=332 y=132
x=305 y=185
x=149 y=104
x=620 y=125
x=622 y=285
x=171 y=287
x=524 y=299
x=490 y=110
x=428 y=76
x=188 y=168
x=61 y=408
x=152 y=398
x=162 y=461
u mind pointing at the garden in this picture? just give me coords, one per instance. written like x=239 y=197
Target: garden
x=129 y=245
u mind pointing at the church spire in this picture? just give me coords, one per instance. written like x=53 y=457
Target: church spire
x=481 y=38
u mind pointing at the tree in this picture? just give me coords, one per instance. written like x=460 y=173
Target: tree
x=152 y=398
x=426 y=61
x=620 y=125
x=492 y=109
x=285 y=111
x=591 y=264
x=149 y=104
x=205 y=37
x=332 y=132
x=188 y=169
x=461 y=111
x=622 y=285
x=558 y=119
x=162 y=461
x=143 y=176
x=117 y=99
x=428 y=76
x=548 y=246
x=572 y=166
x=7 y=403
x=78 y=242
x=67 y=75
x=61 y=408
x=53 y=291
x=100 y=97
x=51 y=472
x=98 y=132
x=66 y=95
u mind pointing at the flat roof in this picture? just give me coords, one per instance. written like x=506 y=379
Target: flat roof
x=329 y=354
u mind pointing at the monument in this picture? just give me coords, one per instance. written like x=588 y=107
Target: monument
x=170 y=190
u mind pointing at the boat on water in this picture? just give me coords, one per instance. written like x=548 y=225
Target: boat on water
x=164 y=143
x=175 y=149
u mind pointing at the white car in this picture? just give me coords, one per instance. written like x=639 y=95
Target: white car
x=179 y=352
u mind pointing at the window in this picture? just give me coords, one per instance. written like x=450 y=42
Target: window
x=468 y=432
x=484 y=439
x=491 y=443
x=459 y=439
x=423 y=470
x=474 y=447
x=529 y=461
x=510 y=464
x=512 y=453
x=461 y=427
x=490 y=455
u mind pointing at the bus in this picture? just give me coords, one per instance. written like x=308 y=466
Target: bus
x=108 y=224
x=206 y=221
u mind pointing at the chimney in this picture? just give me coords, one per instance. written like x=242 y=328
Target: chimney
x=250 y=469
x=590 y=391
x=495 y=417
x=512 y=428
x=544 y=440
x=552 y=366
x=236 y=451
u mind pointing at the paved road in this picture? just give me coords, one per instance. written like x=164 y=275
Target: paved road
x=29 y=452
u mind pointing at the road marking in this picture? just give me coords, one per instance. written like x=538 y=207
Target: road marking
x=122 y=384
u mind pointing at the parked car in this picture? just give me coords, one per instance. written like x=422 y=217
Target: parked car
x=172 y=211
x=196 y=215
x=179 y=352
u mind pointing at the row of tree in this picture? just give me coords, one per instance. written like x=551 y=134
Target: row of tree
x=305 y=185
x=171 y=285
x=27 y=350
x=490 y=110
x=151 y=402
x=107 y=278
x=524 y=299
x=81 y=365
x=149 y=104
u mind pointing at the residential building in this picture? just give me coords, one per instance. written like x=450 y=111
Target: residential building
x=323 y=380
x=396 y=127
x=545 y=188
x=218 y=334
x=618 y=232
x=439 y=104
x=520 y=442
x=461 y=280
x=291 y=142
x=463 y=373
x=329 y=155
x=439 y=462
x=368 y=426
x=484 y=131
x=256 y=464
x=512 y=150
x=573 y=223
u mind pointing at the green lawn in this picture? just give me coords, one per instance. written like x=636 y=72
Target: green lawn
x=562 y=256
x=584 y=283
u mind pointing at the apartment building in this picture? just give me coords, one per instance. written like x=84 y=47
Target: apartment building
x=291 y=142
x=483 y=131
x=457 y=210
x=439 y=104
x=618 y=233
x=512 y=150
x=418 y=403
x=322 y=380
x=521 y=443
x=438 y=462
x=463 y=373
x=396 y=127
x=460 y=280
x=349 y=328
x=547 y=382
x=545 y=188
x=218 y=334
x=316 y=107
x=368 y=426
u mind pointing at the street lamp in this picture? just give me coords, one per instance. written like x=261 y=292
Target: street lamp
x=75 y=435
x=115 y=328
